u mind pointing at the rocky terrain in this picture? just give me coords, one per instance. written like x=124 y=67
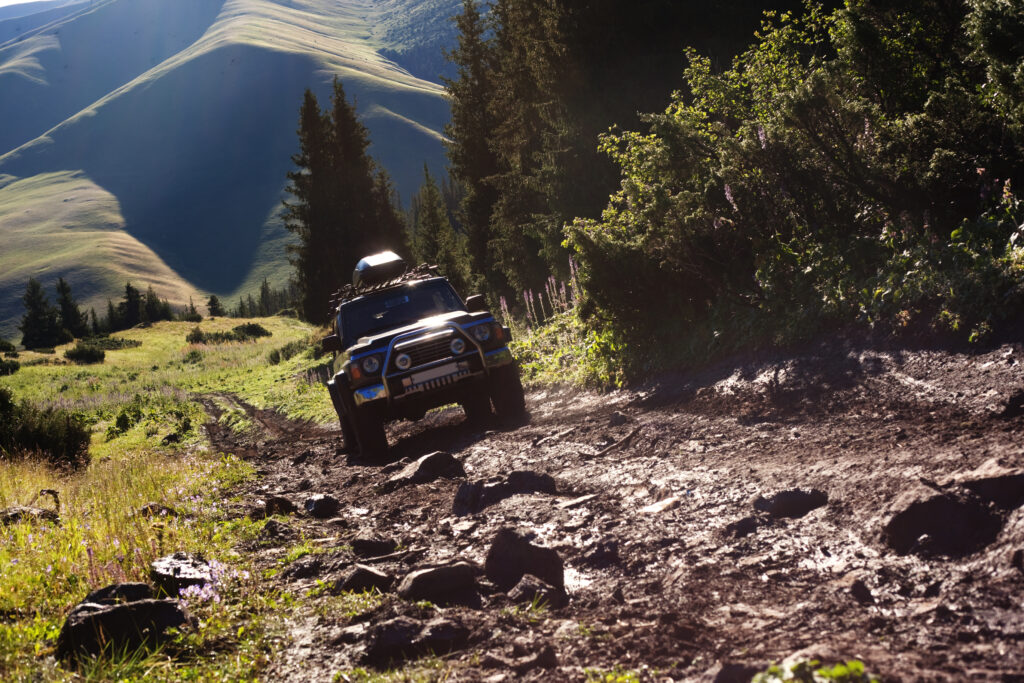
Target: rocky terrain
x=843 y=502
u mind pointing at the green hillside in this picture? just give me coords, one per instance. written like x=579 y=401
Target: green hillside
x=187 y=136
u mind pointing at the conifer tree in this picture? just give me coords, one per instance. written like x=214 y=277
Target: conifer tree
x=39 y=326
x=131 y=309
x=472 y=128
x=434 y=240
x=343 y=204
x=69 y=316
x=214 y=306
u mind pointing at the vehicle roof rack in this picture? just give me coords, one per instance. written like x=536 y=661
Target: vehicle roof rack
x=349 y=292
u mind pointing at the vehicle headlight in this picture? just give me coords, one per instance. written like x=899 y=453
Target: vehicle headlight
x=370 y=364
x=403 y=361
x=482 y=333
x=458 y=346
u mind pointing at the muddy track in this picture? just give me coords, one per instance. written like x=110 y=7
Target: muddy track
x=676 y=563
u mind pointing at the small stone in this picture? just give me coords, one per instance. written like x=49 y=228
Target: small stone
x=279 y=505
x=546 y=658
x=791 y=503
x=362 y=578
x=511 y=556
x=861 y=593
x=372 y=546
x=530 y=589
x=173 y=573
x=426 y=469
x=577 y=502
x=440 y=585
x=617 y=419
x=742 y=528
x=322 y=506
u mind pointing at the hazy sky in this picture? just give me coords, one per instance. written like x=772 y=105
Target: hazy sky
x=4 y=3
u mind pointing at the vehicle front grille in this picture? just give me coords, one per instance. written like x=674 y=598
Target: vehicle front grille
x=427 y=352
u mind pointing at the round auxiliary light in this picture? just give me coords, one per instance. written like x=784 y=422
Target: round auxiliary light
x=403 y=361
x=458 y=345
x=482 y=333
x=371 y=364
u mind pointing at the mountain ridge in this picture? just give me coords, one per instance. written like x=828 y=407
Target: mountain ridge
x=199 y=183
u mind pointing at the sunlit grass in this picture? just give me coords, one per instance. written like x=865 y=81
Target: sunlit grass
x=147 y=446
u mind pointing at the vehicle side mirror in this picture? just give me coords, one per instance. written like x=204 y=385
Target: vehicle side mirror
x=476 y=303
x=331 y=343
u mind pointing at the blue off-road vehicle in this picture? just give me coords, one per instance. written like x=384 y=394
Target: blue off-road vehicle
x=405 y=342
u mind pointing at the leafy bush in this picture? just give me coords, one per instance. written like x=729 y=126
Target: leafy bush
x=59 y=436
x=8 y=367
x=85 y=353
x=837 y=173
x=287 y=351
x=6 y=346
x=113 y=343
x=241 y=333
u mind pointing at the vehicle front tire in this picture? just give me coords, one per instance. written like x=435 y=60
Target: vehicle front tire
x=368 y=426
x=477 y=405
x=506 y=391
x=348 y=434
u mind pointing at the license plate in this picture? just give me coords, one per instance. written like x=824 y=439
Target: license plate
x=434 y=373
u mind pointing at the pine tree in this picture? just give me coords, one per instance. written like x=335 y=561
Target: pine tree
x=343 y=205
x=70 y=317
x=434 y=240
x=470 y=133
x=214 y=306
x=266 y=298
x=39 y=326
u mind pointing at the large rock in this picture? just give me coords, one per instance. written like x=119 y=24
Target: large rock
x=791 y=503
x=173 y=573
x=475 y=496
x=428 y=468
x=511 y=557
x=952 y=522
x=447 y=584
x=92 y=628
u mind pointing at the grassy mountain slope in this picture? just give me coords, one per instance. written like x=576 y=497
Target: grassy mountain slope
x=194 y=142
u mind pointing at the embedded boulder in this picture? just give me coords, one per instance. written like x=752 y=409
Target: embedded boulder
x=322 y=506
x=92 y=628
x=532 y=590
x=952 y=522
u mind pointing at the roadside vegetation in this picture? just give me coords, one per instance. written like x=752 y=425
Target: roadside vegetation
x=137 y=414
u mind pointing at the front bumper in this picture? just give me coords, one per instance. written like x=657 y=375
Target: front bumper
x=404 y=386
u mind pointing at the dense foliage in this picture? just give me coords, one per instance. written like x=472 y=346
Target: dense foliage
x=852 y=165
x=239 y=333
x=85 y=353
x=434 y=240
x=59 y=436
x=343 y=203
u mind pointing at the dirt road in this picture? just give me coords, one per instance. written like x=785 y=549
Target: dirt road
x=897 y=538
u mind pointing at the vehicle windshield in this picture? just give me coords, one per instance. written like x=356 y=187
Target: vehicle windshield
x=396 y=307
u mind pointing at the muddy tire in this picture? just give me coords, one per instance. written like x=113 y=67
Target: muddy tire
x=507 y=393
x=477 y=406
x=348 y=433
x=368 y=427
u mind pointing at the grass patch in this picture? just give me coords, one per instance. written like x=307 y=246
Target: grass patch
x=84 y=353
x=145 y=447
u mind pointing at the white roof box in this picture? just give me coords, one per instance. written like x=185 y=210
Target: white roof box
x=377 y=268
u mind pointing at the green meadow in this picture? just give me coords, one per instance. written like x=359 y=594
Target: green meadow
x=134 y=400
